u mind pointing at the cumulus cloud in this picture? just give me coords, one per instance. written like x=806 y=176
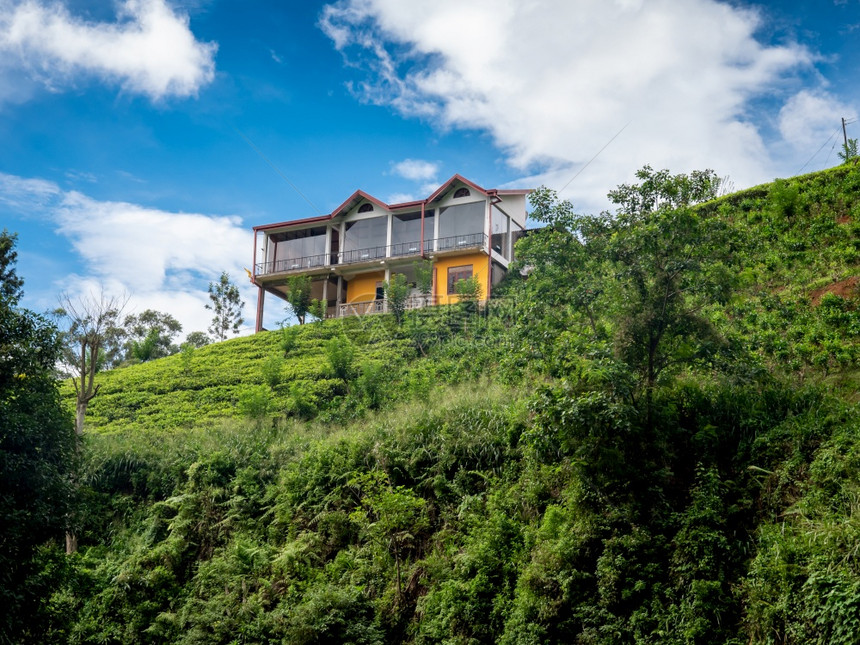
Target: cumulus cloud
x=553 y=81
x=415 y=169
x=402 y=198
x=809 y=117
x=149 y=50
x=162 y=260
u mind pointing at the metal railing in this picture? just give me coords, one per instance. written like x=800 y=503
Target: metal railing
x=458 y=242
x=292 y=264
x=357 y=256
x=362 y=255
x=381 y=306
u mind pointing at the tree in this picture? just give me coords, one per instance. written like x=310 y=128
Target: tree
x=317 y=309
x=227 y=307
x=641 y=278
x=299 y=296
x=424 y=277
x=197 y=339
x=37 y=456
x=91 y=341
x=150 y=335
x=849 y=151
x=469 y=290
x=10 y=284
x=396 y=294
x=661 y=190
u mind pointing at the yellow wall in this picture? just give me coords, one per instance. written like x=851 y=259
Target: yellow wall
x=480 y=267
x=363 y=287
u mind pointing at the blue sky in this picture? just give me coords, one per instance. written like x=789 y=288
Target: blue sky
x=133 y=134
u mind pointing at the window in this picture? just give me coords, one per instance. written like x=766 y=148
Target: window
x=365 y=239
x=499 y=238
x=517 y=232
x=464 y=221
x=365 y=208
x=461 y=192
x=299 y=249
x=455 y=274
x=380 y=291
x=406 y=233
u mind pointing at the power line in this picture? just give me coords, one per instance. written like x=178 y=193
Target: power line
x=275 y=168
x=594 y=157
x=817 y=151
x=832 y=148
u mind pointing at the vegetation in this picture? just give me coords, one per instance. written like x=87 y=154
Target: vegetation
x=37 y=455
x=849 y=151
x=226 y=306
x=91 y=340
x=654 y=438
x=397 y=294
x=299 y=296
x=150 y=335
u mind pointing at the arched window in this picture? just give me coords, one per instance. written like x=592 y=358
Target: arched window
x=461 y=192
x=365 y=208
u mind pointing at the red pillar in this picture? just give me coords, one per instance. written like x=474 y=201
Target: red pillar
x=261 y=297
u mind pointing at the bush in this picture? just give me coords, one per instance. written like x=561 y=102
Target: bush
x=340 y=354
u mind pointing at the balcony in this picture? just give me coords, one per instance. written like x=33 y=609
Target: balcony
x=449 y=244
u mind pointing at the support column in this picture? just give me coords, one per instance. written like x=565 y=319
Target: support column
x=387 y=281
x=339 y=295
x=261 y=298
x=325 y=297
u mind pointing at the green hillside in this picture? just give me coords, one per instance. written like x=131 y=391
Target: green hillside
x=653 y=438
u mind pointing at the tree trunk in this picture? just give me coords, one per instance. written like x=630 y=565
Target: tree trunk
x=71 y=543
x=80 y=411
x=399 y=590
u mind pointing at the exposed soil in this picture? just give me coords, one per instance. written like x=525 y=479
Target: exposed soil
x=845 y=288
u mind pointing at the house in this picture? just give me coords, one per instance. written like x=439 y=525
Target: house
x=462 y=229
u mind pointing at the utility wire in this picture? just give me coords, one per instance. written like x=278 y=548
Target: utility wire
x=594 y=157
x=832 y=148
x=275 y=168
x=817 y=151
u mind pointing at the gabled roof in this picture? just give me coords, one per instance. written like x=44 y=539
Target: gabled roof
x=359 y=196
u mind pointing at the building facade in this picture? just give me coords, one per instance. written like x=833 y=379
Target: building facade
x=462 y=230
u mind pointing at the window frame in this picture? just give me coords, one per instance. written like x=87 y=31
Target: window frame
x=453 y=272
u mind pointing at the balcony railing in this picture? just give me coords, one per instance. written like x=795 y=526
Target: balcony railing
x=460 y=242
x=358 y=256
x=381 y=306
x=292 y=264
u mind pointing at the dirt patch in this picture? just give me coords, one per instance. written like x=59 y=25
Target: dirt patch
x=845 y=288
x=844 y=219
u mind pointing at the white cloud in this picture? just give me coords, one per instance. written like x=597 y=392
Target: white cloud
x=809 y=118
x=401 y=198
x=415 y=169
x=553 y=80
x=149 y=50
x=162 y=260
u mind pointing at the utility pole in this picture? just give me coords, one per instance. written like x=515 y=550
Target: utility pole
x=844 y=133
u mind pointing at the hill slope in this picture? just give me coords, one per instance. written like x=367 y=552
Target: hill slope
x=500 y=477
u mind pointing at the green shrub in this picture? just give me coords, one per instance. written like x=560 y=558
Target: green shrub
x=272 y=370
x=340 y=354
x=254 y=402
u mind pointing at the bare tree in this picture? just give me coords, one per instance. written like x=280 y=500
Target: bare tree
x=92 y=340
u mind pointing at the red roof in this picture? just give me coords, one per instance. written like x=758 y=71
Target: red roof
x=360 y=195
